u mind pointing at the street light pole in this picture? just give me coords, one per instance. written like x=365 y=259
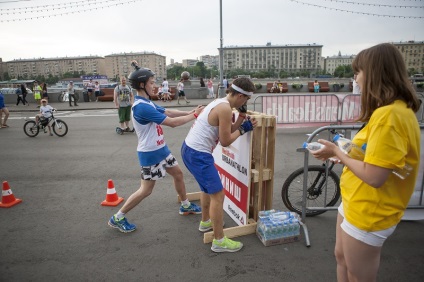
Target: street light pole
x=221 y=56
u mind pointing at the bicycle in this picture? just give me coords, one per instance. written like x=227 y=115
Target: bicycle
x=64 y=96
x=60 y=128
x=321 y=178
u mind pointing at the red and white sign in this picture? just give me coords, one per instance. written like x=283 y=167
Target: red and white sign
x=233 y=165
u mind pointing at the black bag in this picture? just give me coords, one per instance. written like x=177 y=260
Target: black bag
x=102 y=93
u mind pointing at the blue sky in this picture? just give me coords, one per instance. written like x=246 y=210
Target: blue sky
x=191 y=28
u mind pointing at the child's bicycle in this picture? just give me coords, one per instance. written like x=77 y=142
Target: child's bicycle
x=60 y=128
x=323 y=188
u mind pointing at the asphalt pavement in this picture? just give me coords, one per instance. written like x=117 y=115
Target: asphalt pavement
x=59 y=232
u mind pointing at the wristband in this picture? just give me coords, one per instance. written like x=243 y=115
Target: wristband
x=195 y=115
x=243 y=116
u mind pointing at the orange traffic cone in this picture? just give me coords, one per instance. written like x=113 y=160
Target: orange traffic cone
x=112 y=198
x=7 y=199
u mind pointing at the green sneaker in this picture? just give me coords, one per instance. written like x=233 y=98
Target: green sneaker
x=207 y=226
x=227 y=245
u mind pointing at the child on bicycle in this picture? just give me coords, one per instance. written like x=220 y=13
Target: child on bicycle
x=45 y=113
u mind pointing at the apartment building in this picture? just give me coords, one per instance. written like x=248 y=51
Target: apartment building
x=331 y=63
x=290 y=58
x=413 y=54
x=189 y=63
x=118 y=65
x=210 y=61
x=30 y=68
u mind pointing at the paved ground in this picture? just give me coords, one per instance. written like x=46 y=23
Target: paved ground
x=59 y=231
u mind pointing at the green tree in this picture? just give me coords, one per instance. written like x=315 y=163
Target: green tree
x=343 y=71
x=6 y=76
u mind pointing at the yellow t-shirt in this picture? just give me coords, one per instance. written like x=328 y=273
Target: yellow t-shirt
x=393 y=137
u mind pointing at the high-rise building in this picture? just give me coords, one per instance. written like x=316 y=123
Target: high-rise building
x=331 y=63
x=413 y=54
x=210 y=60
x=189 y=63
x=118 y=65
x=30 y=68
x=290 y=58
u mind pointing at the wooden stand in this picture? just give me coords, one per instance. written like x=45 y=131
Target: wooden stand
x=262 y=175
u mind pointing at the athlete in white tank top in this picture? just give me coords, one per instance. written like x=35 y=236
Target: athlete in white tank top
x=203 y=137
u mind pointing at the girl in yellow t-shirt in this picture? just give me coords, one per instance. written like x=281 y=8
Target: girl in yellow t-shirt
x=373 y=198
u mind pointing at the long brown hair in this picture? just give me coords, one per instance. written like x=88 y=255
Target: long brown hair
x=385 y=79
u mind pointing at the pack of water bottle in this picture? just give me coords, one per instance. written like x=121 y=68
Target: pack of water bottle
x=277 y=227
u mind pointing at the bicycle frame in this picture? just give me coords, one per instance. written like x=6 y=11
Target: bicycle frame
x=317 y=189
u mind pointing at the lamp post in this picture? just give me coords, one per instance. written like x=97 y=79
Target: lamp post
x=221 y=90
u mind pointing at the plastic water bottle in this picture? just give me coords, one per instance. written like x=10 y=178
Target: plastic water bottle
x=403 y=172
x=313 y=146
x=296 y=229
x=349 y=148
x=285 y=230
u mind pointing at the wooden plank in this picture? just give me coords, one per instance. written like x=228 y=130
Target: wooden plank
x=270 y=161
x=191 y=196
x=266 y=174
x=233 y=232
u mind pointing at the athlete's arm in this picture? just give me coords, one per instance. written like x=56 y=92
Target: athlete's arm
x=176 y=118
x=224 y=116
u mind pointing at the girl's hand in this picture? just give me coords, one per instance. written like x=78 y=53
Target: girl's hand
x=329 y=150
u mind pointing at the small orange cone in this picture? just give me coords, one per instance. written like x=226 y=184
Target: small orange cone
x=112 y=198
x=7 y=199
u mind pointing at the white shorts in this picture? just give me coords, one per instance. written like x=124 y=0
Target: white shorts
x=375 y=238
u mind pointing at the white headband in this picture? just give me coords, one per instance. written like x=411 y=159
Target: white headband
x=235 y=87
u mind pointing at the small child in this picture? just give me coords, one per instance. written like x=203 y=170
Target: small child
x=45 y=112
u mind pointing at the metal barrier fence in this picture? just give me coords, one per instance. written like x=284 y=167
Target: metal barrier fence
x=314 y=109
x=417 y=199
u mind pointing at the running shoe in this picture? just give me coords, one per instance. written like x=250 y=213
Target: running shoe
x=207 y=226
x=192 y=209
x=227 y=245
x=122 y=225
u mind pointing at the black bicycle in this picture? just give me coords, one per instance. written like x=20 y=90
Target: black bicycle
x=323 y=188
x=60 y=128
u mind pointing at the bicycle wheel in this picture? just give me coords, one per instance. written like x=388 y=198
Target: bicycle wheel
x=292 y=191
x=31 y=129
x=60 y=128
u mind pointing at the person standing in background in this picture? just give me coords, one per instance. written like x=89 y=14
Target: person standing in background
x=210 y=88
x=44 y=91
x=71 y=94
x=20 y=96
x=181 y=93
x=225 y=83
x=202 y=82
x=24 y=94
x=3 y=109
x=123 y=99
x=356 y=89
x=97 y=90
x=37 y=93
x=90 y=87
